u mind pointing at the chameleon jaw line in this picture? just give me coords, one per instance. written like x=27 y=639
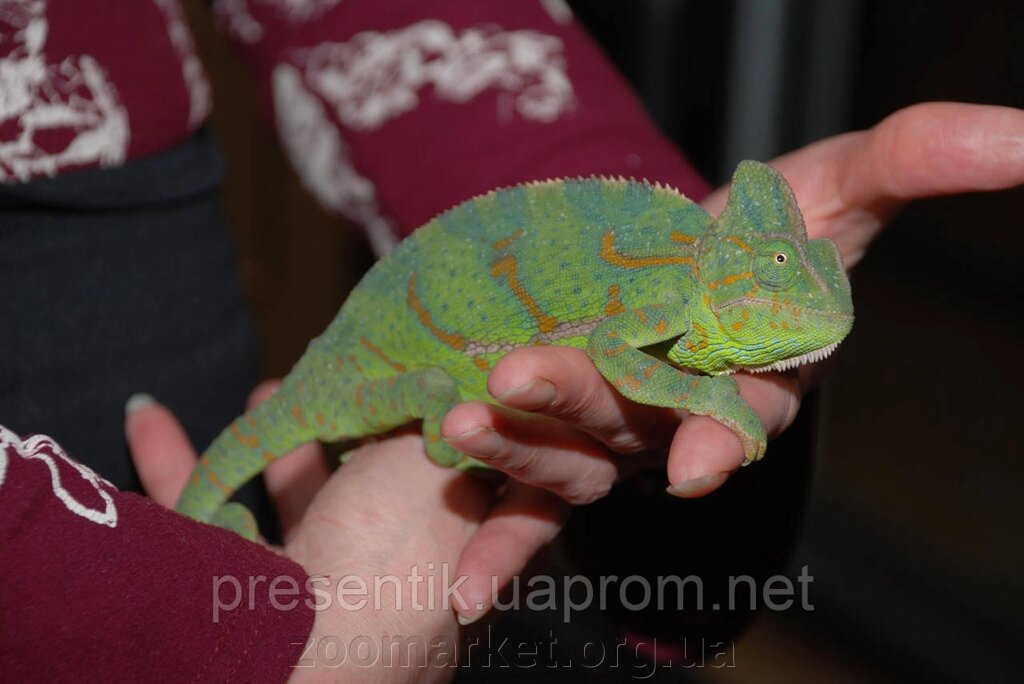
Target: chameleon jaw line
x=794 y=361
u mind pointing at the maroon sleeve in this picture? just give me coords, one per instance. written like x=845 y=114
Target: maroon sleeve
x=395 y=111
x=109 y=586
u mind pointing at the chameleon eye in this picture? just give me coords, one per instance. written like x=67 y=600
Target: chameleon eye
x=772 y=265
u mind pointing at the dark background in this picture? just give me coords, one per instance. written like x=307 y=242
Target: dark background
x=912 y=521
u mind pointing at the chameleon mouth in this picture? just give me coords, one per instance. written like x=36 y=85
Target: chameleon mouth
x=794 y=361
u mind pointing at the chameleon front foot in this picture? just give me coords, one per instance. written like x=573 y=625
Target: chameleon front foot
x=737 y=415
x=614 y=348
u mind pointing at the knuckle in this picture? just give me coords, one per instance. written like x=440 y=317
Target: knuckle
x=783 y=415
x=578 y=401
x=523 y=461
x=792 y=407
x=594 y=484
x=625 y=442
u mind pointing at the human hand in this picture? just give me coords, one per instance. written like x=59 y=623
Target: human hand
x=388 y=510
x=582 y=435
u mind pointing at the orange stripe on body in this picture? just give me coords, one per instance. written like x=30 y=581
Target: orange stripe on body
x=453 y=340
x=508 y=266
x=740 y=243
x=677 y=236
x=730 y=279
x=380 y=354
x=629 y=381
x=703 y=344
x=611 y=256
x=615 y=351
x=250 y=442
x=505 y=242
x=614 y=306
x=215 y=481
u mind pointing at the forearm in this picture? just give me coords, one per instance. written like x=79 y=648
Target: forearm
x=111 y=583
x=394 y=112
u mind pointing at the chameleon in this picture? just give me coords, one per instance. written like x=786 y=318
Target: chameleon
x=665 y=299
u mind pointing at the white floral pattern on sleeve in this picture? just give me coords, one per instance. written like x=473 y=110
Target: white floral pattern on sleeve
x=236 y=18
x=322 y=159
x=376 y=76
x=38 y=97
x=192 y=71
x=42 y=448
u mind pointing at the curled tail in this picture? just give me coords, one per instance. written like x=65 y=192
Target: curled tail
x=239 y=453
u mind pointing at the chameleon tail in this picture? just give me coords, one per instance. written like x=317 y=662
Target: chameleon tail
x=238 y=454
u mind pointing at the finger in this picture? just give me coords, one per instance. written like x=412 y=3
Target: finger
x=704 y=452
x=160 y=449
x=521 y=523
x=293 y=480
x=537 y=450
x=563 y=383
x=936 y=148
x=848 y=186
x=261 y=393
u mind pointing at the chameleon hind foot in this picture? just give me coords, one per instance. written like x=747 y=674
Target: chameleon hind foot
x=426 y=394
x=237 y=518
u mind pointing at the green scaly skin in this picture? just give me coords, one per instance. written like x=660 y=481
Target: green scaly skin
x=665 y=299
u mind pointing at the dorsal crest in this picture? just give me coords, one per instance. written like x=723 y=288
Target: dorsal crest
x=761 y=202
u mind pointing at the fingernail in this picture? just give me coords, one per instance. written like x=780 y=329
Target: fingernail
x=536 y=394
x=697 y=486
x=137 y=401
x=482 y=441
x=465 y=620
x=471 y=616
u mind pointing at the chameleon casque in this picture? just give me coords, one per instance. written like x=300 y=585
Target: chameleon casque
x=665 y=299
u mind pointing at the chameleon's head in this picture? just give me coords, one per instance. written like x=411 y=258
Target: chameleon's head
x=772 y=299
